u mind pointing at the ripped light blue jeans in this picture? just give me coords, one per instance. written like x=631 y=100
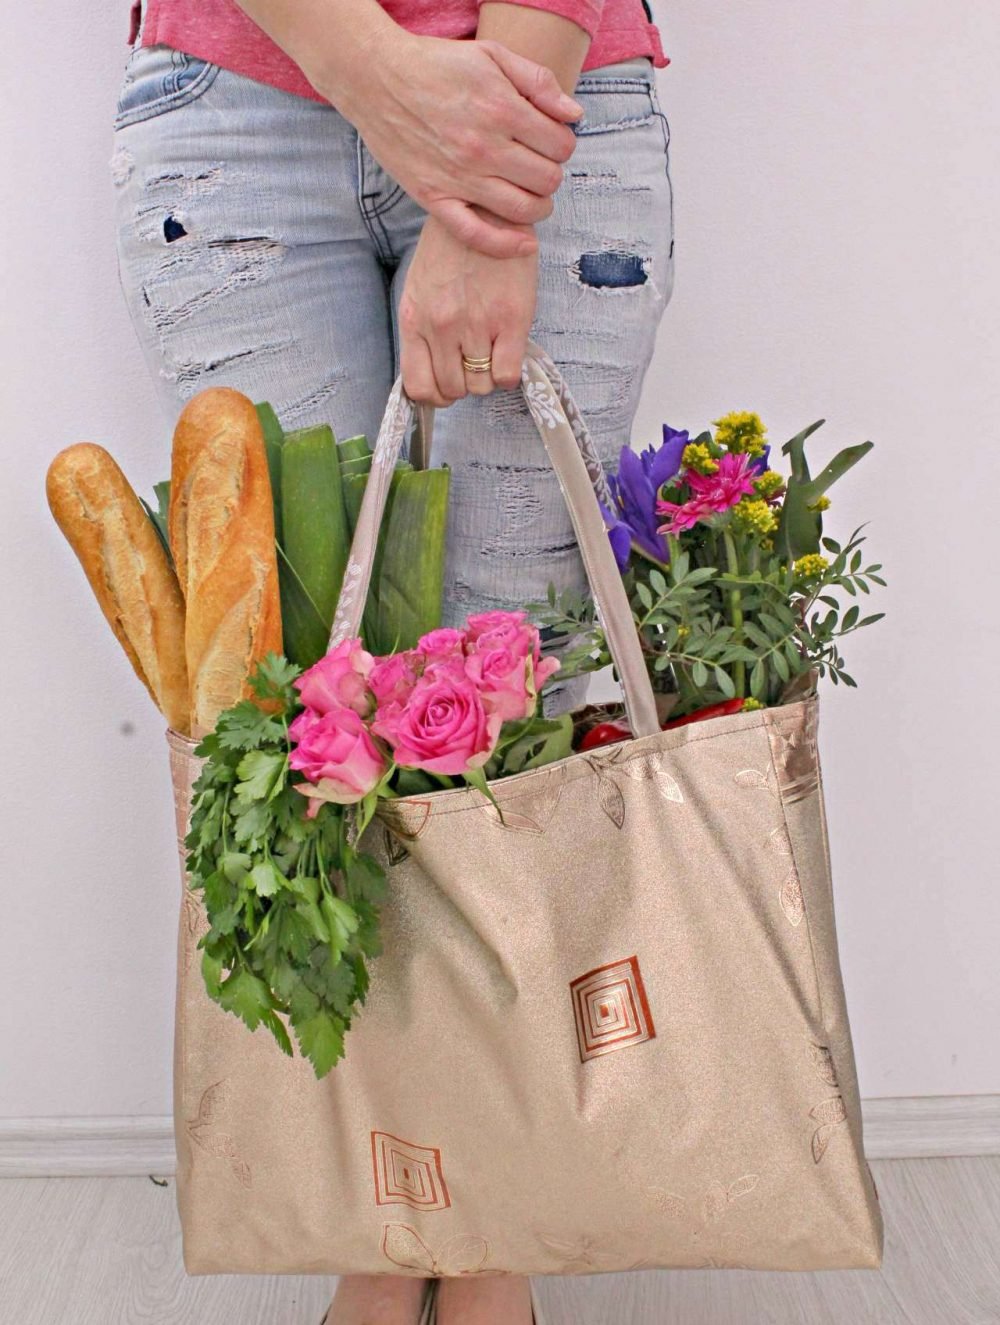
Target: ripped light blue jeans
x=262 y=247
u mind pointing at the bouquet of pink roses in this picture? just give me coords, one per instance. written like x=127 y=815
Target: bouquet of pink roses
x=291 y=899
x=462 y=704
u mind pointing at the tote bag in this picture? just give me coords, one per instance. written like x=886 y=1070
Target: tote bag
x=607 y=1030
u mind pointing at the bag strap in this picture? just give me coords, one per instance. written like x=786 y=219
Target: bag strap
x=582 y=480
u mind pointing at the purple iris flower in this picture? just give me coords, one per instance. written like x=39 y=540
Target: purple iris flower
x=632 y=519
x=760 y=463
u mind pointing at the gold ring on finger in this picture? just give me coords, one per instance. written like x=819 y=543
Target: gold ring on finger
x=477 y=365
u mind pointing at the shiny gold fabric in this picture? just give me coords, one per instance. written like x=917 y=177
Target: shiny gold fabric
x=607 y=1032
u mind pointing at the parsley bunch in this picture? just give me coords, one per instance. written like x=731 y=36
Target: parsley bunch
x=291 y=903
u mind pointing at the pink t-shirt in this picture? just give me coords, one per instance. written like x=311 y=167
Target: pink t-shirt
x=219 y=31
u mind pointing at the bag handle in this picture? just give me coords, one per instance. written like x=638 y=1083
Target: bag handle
x=582 y=480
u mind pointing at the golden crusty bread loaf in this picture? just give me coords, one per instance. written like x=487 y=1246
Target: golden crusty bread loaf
x=128 y=570
x=221 y=530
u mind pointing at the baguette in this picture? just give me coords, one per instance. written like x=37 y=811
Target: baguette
x=220 y=525
x=128 y=569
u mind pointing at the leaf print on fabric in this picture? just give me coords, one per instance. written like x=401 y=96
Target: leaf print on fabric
x=406 y=819
x=822 y=1061
x=752 y=778
x=644 y=767
x=582 y=1255
x=404 y=1247
x=666 y=785
x=669 y=1202
x=534 y=813
x=210 y=1105
x=395 y=851
x=192 y=918
x=718 y=1198
x=611 y=800
x=830 y=1111
x=742 y=1186
x=201 y=1130
x=717 y=1263
x=779 y=841
x=829 y=1114
x=461 y=1254
x=790 y=897
x=715 y=1202
x=511 y=819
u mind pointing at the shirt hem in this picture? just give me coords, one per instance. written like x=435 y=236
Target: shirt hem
x=268 y=64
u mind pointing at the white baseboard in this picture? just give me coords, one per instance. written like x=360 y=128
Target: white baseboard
x=86 y=1147
x=918 y=1127
x=928 y=1126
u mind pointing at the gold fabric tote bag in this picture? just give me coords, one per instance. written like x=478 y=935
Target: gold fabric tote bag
x=606 y=1032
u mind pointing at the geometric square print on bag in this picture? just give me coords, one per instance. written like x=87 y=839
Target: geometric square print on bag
x=610 y=1007
x=407 y=1174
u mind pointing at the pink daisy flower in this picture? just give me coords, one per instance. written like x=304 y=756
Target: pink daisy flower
x=733 y=479
x=681 y=516
x=710 y=494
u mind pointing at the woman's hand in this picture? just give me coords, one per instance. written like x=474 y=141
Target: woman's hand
x=462 y=126
x=457 y=300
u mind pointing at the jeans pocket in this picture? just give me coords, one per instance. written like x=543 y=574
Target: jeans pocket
x=158 y=79
x=613 y=100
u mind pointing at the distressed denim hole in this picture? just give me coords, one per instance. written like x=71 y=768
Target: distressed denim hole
x=172 y=229
x=610 y=269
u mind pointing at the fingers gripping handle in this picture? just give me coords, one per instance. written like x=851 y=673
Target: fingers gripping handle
x=582 y=481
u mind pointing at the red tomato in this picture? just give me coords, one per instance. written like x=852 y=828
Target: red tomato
x=711 y=711
x=607 y=733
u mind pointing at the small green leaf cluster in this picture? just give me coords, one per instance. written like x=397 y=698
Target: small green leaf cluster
x=292 y=904
x=692 y=644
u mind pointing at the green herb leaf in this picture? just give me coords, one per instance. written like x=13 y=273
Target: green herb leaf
x=321 y=1039
x=266 y=879
x=262 y=775
x=245 y=995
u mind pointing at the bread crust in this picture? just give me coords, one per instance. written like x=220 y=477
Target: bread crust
x=128 y=570
x=221 y=532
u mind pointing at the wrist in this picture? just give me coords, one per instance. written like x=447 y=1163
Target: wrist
x=346 y=70
x=547 y=38
x=523 y=227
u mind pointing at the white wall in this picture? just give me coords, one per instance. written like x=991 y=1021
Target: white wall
x=837 y=208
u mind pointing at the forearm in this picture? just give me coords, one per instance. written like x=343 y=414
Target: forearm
x=330 y=40
x=547 y=38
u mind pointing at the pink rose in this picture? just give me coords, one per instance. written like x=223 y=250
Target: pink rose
x=507 y=640
x=444 y=727
x=545 y=668
x=503 y=628
x=393 y=677
x=505 y=680
x=442 y=643
x=337 y=754
x=338 y=680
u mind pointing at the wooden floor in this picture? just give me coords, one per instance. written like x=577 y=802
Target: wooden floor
x=106 y=1251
